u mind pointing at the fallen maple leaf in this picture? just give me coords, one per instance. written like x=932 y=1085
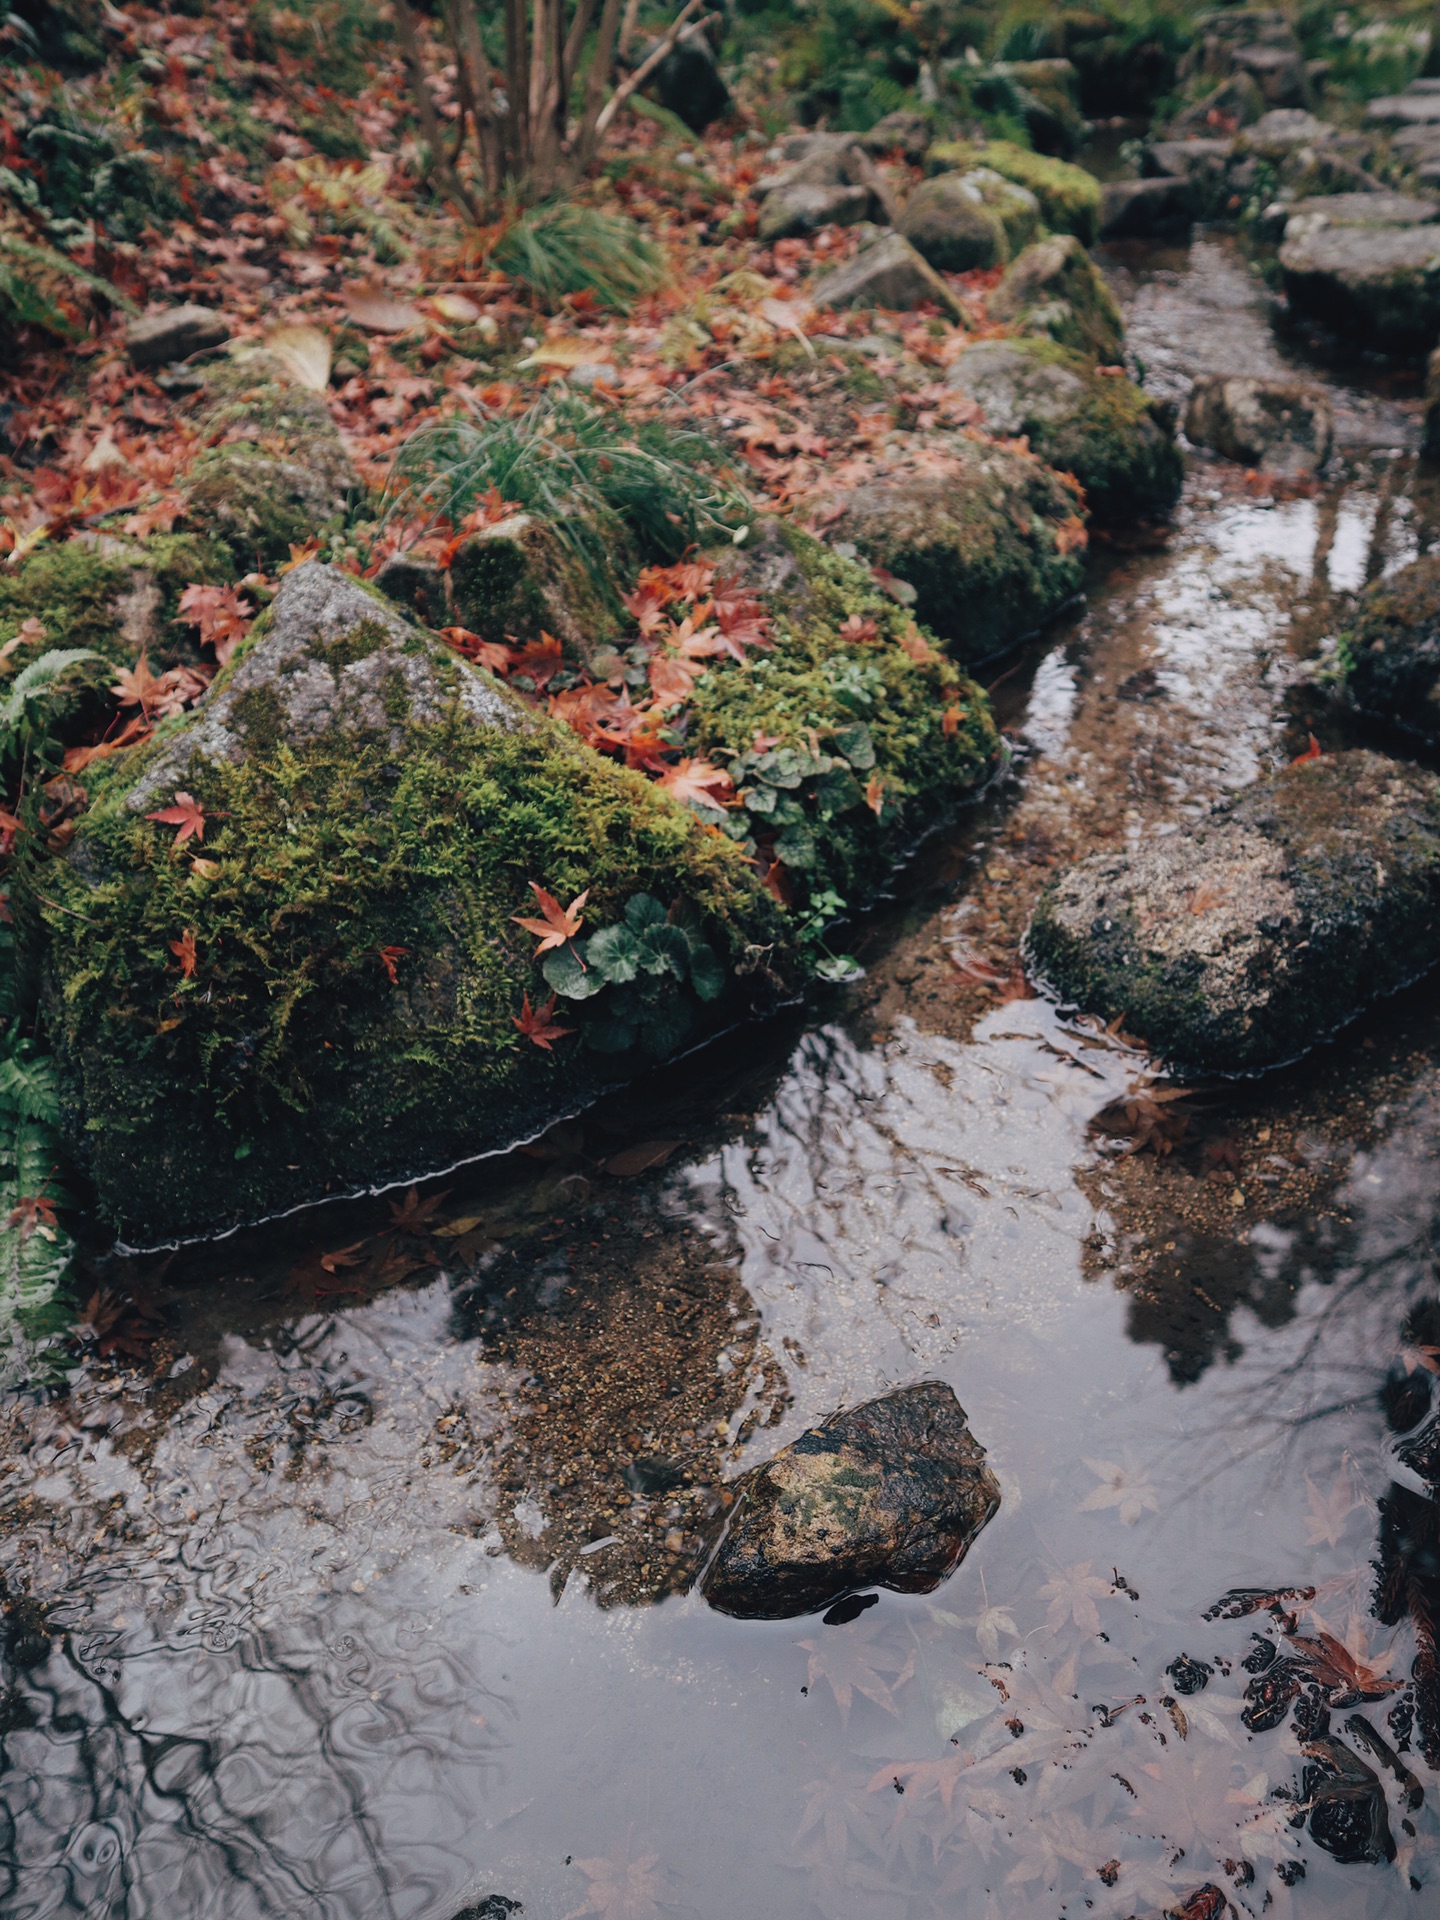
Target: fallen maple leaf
x=371 y=307
x=222 y=615
x=184 y=950
x=875 y=794
x=387 y=956
x=950 y=722
x=33 y=1213
x=857 y=632
x=538 y=1024
x=1312 y=752
x=559 y=925
x=184 y=815
x=699 y=782
x=137 y=686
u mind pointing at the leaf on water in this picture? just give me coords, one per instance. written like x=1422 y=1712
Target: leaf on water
x=1122 y=1487
x=858 y=1661
x=631 y=1161
x=622 y=1887
x=1329 y=1511
x=1072 y=1595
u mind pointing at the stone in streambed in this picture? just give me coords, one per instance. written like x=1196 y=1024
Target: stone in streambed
x=1116 y=440
x=1244 y=941
x=1159 y=204
x=1380 y=283
x=1390 y=654
x=1055 y=288
x=890 y=1494
x=990 y=541
x=1283 y=426
x=327 y=998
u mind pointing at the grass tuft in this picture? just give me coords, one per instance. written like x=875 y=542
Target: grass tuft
x=561 y=249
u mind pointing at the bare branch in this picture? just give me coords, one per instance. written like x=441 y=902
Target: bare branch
x=647 y=66
x=425 y=107
x=627 y=31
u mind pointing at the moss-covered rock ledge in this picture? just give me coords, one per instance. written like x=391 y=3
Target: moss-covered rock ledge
x=307 y=978
x=1243 y=943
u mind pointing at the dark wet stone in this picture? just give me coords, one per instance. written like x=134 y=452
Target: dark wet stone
x=890 y=1494
x=1160 y=204
x=1205 y=1903
x=1189 y=1676
x=1379 y=283
x=417 y=583
x=1283 y=426
x=1348 y=1817
x=1253 y=935
x=1430 y=445
x=1391 y=651
x=1203 y=164
x=687 y=81
x=494 y=1906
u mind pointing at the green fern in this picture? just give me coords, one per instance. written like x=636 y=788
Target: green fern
x=29 y=703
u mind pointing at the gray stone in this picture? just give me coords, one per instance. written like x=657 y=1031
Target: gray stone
x=802 y=208
x=1203 y=163
x=1404 y=110
x=889 y=1494
x=1055 y=288
x=1413 y=144
x=904 y=132
x=1319 y=211
x=1281 y=130
x=1252 y=936
x=1279 y=72
x=890 y=274
x=1142 y=207
x=1379 y=283
x=960 y=221
x=1118 y=443
x=174 y=335
x=1283 y=426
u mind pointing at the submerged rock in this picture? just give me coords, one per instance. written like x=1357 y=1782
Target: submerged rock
x=1348 y=1816
x=1283 y=426
x=1116 y=440
x=889 y=274
x=1390 y=655
x=1252 y=936
x=1381 y=283
x=1055 y=288
x=890 y=1494
x=961 y=221
x=991 y=544
x=320 y=990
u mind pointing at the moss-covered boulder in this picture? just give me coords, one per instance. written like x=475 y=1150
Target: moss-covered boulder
x=1116 y=440
x=306 y=976
x=1379 y=284
x=1390 y=653
x=846 y=737
x=275 y=471
x=517 y=580
x=1069 y=197
x=1055 y=288
x=991 y=542
x=961 y=221
x=1245 y=941
x=115 y=596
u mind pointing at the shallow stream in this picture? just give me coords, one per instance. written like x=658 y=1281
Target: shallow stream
x=365 y=1594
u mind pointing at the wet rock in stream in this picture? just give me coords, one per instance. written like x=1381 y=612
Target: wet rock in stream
x=1284 y=426
x=1390 y=655
x=891 y=1494
x=1243 y=941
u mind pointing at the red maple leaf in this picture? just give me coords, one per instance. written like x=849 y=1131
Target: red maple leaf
x=184 y=951
x=184 y=815
x=698 y=781
x=387 y=956
x=33 y=1213
x=858 y=632
x=538 y=1024
x=559 y=925
x=1312 y=752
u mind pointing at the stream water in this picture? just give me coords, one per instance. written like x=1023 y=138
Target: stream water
x=366 y=1595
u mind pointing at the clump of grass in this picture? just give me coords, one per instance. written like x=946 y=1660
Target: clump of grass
x=562 y=249
x=587 y=469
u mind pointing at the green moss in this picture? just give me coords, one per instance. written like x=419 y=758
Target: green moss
x=290 y=1059
x=1055 y=288
x=833 y=713
x=108 y=594
x=517 y=581
x=1117 y=442
x=1069 y=196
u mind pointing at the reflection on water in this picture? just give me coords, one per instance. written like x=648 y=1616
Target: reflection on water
x=351 y=1578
